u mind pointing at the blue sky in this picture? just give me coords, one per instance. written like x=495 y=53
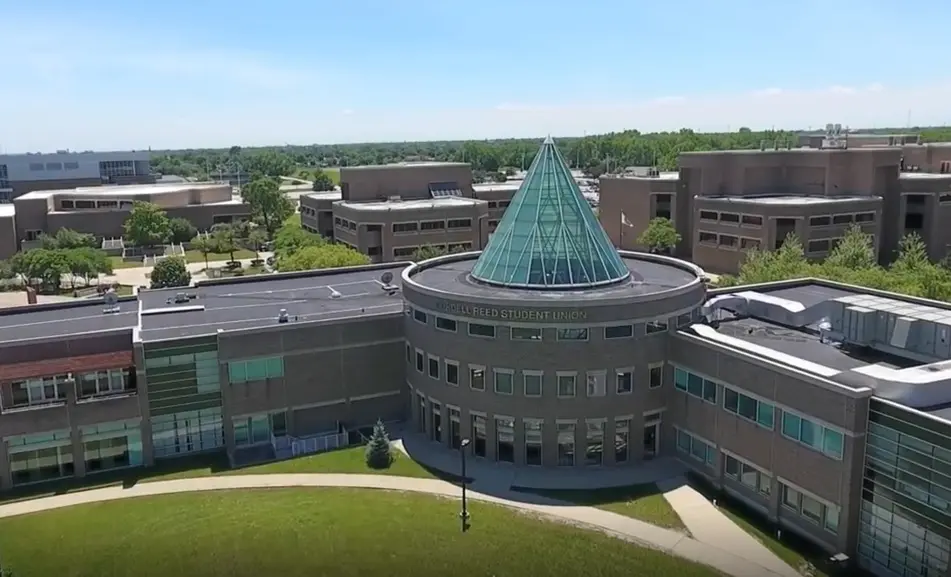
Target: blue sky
x=109 y=74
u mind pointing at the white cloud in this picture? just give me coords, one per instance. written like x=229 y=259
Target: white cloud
x=768 y=92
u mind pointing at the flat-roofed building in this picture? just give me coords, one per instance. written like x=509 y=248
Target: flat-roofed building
x=22 y=173
x=102 y=211
x=726 y=202
x=822 y=407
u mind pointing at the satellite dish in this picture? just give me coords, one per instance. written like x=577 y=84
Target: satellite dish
x=387 y=278
x=110 y=298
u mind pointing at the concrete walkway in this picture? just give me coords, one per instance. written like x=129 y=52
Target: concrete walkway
x=724 y=559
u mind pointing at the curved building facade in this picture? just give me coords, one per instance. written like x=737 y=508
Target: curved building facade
x=548 y=348
x=532 y=377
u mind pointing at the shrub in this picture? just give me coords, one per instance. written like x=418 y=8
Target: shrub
x=379 y=453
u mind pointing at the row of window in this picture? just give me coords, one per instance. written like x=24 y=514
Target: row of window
x=731 y=218
x=798 y=428
x=432 y=225
x=531 y=382
x=255 y=369
x=344 y=223
x=805 y=506
x=596 y=440
x=53 y=166
x=502 y=204
x=846 y=218
x=624 y=331
x=727 y=241
x=823 y=245
x=52 y=389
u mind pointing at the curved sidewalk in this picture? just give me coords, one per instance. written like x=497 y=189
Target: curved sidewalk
x=622 y=527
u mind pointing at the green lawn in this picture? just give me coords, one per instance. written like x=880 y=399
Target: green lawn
x=193 y=256
x=119 y=262
x=313 y=532
x=642 y=502
x=350 y=460
x=307 y=173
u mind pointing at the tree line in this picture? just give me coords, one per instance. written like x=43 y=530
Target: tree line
x=853 y=260
x=595 y=153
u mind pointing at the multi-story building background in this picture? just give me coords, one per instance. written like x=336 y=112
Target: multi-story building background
x=22 y=173
x=725 y=202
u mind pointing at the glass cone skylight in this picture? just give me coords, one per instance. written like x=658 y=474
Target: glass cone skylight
x=549 y=238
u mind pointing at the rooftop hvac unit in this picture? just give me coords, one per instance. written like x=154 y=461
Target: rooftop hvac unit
x=282 y=316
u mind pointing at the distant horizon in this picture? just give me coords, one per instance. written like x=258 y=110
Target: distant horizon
x=817 y=131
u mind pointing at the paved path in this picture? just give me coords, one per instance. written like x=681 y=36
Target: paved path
x=723 y=559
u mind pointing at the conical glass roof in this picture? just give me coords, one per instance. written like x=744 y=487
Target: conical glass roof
x=549 y=238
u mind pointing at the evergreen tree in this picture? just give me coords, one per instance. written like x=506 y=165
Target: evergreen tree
x=378 y=448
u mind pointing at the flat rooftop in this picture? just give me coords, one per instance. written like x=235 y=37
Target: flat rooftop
x=923 y=176
x=647 y=277
x=124 y=190
x=791 y=199
x=781 y=323
x=416 y=204
x=331 y=195
x=642 y=175
x=65 y=319
x=256 y=302
x=420 y=164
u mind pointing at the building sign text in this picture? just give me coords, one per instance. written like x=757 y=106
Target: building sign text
x=512 y=314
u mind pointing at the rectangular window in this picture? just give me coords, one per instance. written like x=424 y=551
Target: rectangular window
x=865 y=217
x=572 y=334
x=707 y=237
x=624 y=379
x=533 y=441
x=841 y=219
x=594 y=445
x=566 y=384
x=827 y=441
x=532 y=383
x=477 y=377
x=709 y=391
x=711 y=215
x=749 y=408
x=680 y=379
x=503 y=381
x=255 y=369
x=752 y=220
x=729 y=217
x=619 y=332
x=480 y=330
x=728 y=241
x=566 y=444
x=460 y=223
x=525 y=334
x=821 y=245
x=820 y=221
x=420 y=316
x=596 y=386
x=622 y=436
x=445 y=324
x=420 y=358
x=452 y=372
x=654 y=327
x=399 y=227
x=656 y=376
x=433 y=367
x=749 y=243
x=695 y=448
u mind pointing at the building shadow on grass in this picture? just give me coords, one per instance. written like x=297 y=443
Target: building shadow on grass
x=191 y=466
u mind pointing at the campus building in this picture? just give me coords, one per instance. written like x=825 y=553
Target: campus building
x=389 y=211
x=22 y=173
x=823 y=406
x=724 y=203
x=102 y=211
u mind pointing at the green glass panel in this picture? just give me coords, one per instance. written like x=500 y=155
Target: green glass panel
x=237 y=373
x=257 y=369
x=549 y=237
x=275 y=367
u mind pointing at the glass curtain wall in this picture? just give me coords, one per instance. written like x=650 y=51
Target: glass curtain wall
x=40 y=457
x=905 y=524
x=112 y=445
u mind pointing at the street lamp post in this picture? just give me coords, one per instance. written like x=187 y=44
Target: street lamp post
x=464 y=516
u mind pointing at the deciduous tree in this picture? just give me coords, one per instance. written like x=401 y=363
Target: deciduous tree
x=170 y=272
x=181 y=230
x=321 y=257
x=147 y=225
x=267 y=203
x=322 y=181
x=660 y=236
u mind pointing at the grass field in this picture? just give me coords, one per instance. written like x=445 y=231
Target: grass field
x=349 y=460
x=118 y=262
x=642 y=502
x=313 y=532
x=307 y=173
x=193 y=256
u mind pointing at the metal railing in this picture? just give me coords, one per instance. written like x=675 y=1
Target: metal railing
x=308 y=445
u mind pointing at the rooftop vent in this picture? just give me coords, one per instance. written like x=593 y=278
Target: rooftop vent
x=181 y=298
x=282 y=316
x=111 y=301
